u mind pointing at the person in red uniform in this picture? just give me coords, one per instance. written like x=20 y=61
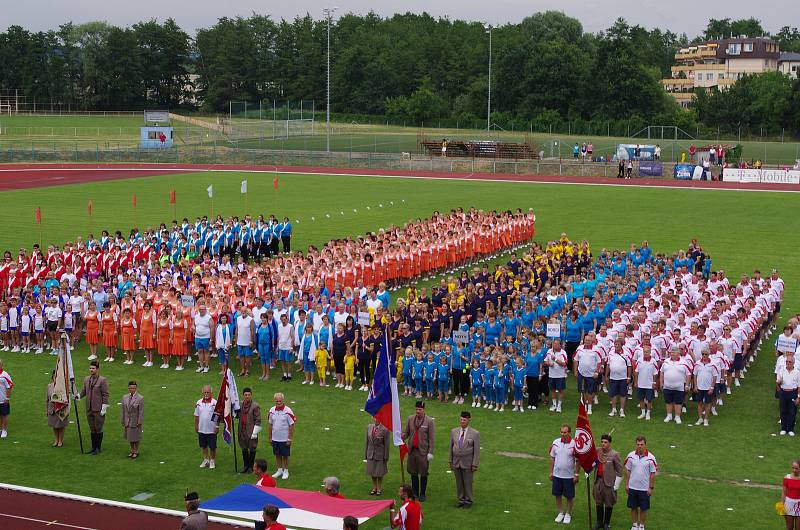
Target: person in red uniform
x=409 y=517
x=332 y=487
x=264 y=478
x=270 y=515
x=791 y=497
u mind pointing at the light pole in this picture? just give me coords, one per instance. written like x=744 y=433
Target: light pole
x=488 y=28
x=329 y=11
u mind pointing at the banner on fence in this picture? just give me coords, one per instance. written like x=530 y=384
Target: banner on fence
x=629 y=152
x=651 y=168
x=684 y=171
x=770 y=176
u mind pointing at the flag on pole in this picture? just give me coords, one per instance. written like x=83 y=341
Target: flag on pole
x=63 y=376
x=38 y=215
x=133 y=201
x=210 y=190
x=172 y=197
x=275 y=183
x=383 y=401
x=584 y=442
x=244 y=186
x=227 y=404
x=90 y=207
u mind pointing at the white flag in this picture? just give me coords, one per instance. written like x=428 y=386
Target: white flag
x=244 y=186
x=210 y=191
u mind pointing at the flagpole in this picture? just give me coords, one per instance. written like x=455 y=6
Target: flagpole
x=589 y=502
x=233 y=428
x=77 y=415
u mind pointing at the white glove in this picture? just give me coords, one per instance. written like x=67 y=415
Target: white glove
x=256 y=430
x=76 y=397
x=103 y=409
x=617 y=482
x=430 y=457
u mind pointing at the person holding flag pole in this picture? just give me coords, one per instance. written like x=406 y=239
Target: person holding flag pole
x=227 y=406
x=586 y=452
x=58 y=395
x=606 y=482
x=383 y=400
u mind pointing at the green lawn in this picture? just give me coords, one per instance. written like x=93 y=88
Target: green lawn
x=708 y=471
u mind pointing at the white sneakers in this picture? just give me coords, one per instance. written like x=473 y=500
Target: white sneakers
x=199 y=369
x=178 y=368
x=641 y=416
x=612 y=413
x=4 y=434
x=705 y=423
x=205 y=462
x=621 y=413
x=791 y=433
x=285 y=474
x=668 y=418
x=164 y=366
x=783 y=433
x=699 y=421
x=647 y=415
x=567 y=518
x=678 y=420
x=212 y=464
x=278 y=473
x=560 y=517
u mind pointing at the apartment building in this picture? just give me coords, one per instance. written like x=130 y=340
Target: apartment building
x=789 y=64
x=719 y=63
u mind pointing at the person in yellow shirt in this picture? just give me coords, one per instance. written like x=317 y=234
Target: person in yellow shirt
x=322 y=358
x=349 y=370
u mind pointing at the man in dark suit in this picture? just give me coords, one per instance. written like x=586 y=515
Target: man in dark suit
x=249 y=427
x=464 y=455
x=195 y=519
x=419 y=434
x=95 y=390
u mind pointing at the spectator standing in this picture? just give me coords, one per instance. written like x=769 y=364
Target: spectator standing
x=788 y=381
x=563 y=473
x=640 y=471
x=376 y=453
x=790 y=497
x=465 y=452
x=249 y=427
x=206 y=428
x=281 y=430
x=6 y=386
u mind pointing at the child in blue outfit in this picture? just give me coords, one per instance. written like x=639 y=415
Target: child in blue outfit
x=443 y=378
x=476 y=374
x=519 y=384
x=501 y=384
x=408 y=367
x=489 y=377
x=419 y=375
x=430 y=376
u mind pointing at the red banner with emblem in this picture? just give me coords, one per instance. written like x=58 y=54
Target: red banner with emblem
x=585 y=449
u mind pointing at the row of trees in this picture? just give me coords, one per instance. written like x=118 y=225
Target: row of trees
x=412 y=67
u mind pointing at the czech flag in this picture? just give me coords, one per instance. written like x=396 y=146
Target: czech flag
x=227 y=405
x=584 y=442
x=383 y=401
x=305 y=509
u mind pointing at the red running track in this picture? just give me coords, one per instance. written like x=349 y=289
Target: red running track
x=26 y=176
x=29 y=511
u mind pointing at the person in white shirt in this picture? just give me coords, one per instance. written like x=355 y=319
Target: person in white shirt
x=645 y=371
x=556 y=359
x=281 y=430
x=705 y=376
x=201 y=328
x=587 y=367
x=206 y=428
x=640 y=474
x=6 y=386
x=618 y=377
x=564 y=473
x=245 y=337
x=788 y=381
x=673 y=380
x=286 y=344
x=53 y=315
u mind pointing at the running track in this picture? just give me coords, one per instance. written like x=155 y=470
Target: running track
x=25 y=510
x=27 y=176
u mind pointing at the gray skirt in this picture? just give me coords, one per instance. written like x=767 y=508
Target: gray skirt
x=54 y=421
x=377 y=468
x=133 y=434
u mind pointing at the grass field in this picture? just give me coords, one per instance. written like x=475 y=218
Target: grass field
x=714 y=477
x=23 y=133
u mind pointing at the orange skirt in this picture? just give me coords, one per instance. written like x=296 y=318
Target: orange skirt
x=146 y=340
x=128 y=341
x=110 y=338
x=164 y=345
x=92 y=335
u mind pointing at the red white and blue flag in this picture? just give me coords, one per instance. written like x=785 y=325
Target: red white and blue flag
x=227 y=404
x=303 y=509
x=383 y=401
x=585 y=449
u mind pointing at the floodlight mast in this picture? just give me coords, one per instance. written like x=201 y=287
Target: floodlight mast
x=488 y=28
x=328 y=11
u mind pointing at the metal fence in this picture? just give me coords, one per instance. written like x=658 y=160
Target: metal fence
x=350 y=160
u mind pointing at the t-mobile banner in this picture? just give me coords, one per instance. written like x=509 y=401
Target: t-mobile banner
x=769 y=176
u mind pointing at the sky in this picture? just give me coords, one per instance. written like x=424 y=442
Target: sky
x=679 y=16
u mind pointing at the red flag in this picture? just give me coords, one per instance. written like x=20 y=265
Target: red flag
x=584 y=441
x=275 y=183
x=90 y=207
x=133 y=200
x=38 y=215
x=172 y=197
